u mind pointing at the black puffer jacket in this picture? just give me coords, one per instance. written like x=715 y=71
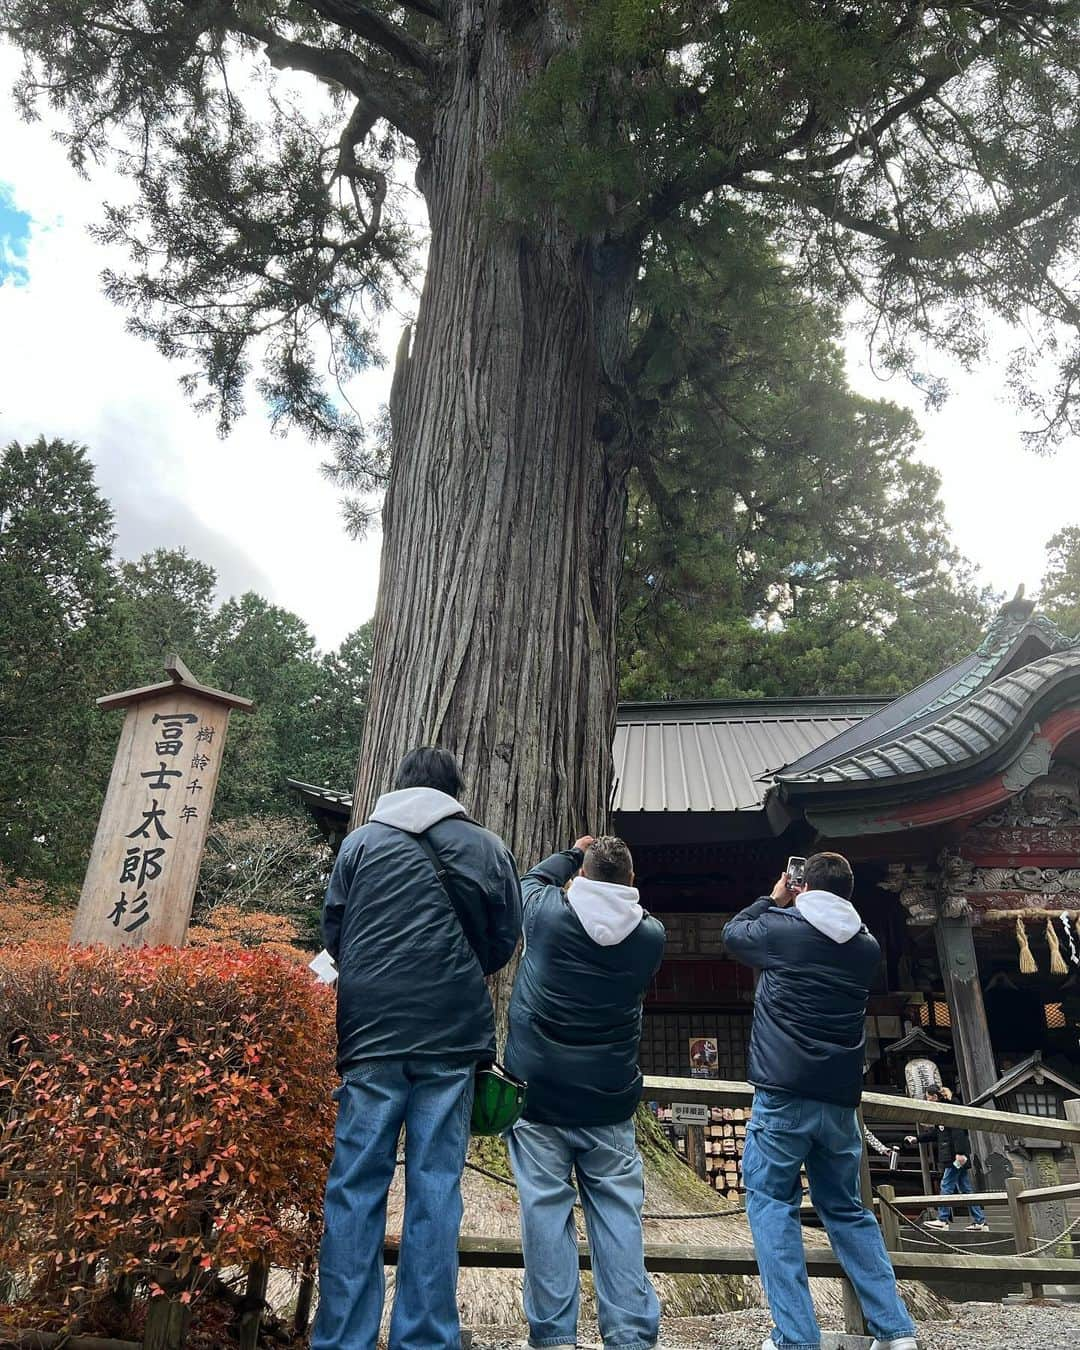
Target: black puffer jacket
x=410 y=984
x=817 y=962
x=948 y=1142
x=575 y=1013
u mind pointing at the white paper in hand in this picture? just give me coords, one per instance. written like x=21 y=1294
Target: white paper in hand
x=324 y=967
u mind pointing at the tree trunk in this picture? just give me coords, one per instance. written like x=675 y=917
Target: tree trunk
x=495 y=623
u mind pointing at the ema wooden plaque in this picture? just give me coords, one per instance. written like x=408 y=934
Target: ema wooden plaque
x=140 y=882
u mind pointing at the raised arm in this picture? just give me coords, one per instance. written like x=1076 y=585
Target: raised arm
x=745 y=937
x=555 y=870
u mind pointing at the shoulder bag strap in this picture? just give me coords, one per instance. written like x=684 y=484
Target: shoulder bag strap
x=443 y=879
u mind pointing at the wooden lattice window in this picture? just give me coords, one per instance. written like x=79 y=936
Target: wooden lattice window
x=1033 y=1102
x=942 y=1015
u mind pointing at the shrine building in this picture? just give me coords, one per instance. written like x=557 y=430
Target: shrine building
x=959 y=807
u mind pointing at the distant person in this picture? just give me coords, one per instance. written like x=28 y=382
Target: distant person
x=817 y=961
x=575 y=1027
x=413 y=1019
x=952 y=1143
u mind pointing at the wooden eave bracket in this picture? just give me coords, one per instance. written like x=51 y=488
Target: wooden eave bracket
x=179 y=675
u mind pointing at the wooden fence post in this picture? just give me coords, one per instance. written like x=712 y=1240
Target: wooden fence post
x=304 y=1296
x=890 y=1223
x=854 y=1321
x=255 y=1298
x=1072 y=1113
x=695 y=1149
x=167 y=1321
x=1021 y=1222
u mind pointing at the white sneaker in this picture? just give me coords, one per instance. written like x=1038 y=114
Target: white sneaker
x=769 y=1344
x=900 y=1343
x=977 y=1228
x=930 y=1223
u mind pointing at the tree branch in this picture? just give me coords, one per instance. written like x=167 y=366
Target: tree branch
x=695 y=185
x=428 y=8
x=376 y=28
x=397 y=98
x=899 y=243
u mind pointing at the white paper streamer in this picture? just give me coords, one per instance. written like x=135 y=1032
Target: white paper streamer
x=1074 y=955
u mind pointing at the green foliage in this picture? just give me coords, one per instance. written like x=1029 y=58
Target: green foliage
x=171 y=602
x=916 y=159
x=336 y=720
x=267 y=654
x=63 y=641
x=75 y=624
x=781 y=539
x=1060 y=591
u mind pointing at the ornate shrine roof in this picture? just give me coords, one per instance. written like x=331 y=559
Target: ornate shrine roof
x=961 y=717
x=729 y=760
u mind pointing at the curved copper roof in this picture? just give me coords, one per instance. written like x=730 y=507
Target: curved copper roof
x=974 y=729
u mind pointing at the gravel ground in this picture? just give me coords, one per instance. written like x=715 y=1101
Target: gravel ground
x=971 y=1326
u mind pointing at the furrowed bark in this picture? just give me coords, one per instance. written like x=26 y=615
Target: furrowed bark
x=495 y=624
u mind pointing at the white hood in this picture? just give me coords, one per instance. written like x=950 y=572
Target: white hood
x=415 y=809
x=830 y=914
x=608 y=913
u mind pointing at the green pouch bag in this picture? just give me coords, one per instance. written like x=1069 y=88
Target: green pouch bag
x=498 y=1101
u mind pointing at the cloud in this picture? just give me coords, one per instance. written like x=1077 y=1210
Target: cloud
x=14 y=235
x=254 y=506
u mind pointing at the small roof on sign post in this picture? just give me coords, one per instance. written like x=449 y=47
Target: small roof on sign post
x=179 y=675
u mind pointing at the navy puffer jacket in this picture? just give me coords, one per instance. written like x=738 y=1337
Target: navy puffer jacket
x=817 y=961
x=575 y=1013
x=410 y=984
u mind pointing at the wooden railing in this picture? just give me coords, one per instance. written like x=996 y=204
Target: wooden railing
x=881 y=1106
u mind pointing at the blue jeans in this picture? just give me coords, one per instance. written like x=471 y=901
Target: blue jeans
x=434 y=1103
x=608 y=1167
x=956 y=1180
x=785 y=1132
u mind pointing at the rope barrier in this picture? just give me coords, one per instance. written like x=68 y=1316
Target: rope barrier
x=656 y=1218
x=741 y=1209
x=992 y=1242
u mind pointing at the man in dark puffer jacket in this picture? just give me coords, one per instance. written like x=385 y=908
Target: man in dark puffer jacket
x=414 y=1020
x=952 y=1144
x=575 y=1025
x=817 y=962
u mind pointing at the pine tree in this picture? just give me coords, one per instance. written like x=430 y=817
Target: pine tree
x=64 y=641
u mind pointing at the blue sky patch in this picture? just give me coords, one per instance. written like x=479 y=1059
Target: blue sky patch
x=14 y=236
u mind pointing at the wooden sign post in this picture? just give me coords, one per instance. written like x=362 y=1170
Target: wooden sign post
x=140 y=883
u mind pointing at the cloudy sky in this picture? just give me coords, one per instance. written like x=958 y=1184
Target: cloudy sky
x=255 y=505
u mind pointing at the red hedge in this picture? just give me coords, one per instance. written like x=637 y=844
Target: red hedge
x=162 y=1113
